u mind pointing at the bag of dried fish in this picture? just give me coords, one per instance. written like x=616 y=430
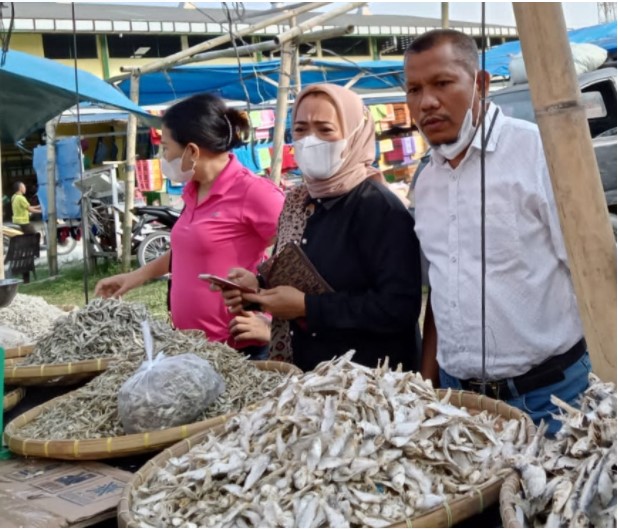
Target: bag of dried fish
x=167 y=391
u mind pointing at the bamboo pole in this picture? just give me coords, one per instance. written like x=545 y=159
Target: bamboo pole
x=444 y=14
x=268 y=45
x=127 y=221
x=316 y=21
x=177 y=58
x=575 y=176
x=1 y=227
x=52 y=215
x=281 y=111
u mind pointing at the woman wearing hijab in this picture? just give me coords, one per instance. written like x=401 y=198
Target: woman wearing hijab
x=358 y=236
x=230 y=216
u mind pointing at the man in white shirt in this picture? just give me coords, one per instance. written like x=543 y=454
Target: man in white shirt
x=533 y=333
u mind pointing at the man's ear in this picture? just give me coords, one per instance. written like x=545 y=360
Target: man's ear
x=483 y=78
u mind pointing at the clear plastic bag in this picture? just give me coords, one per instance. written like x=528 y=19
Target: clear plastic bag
x=167 y=391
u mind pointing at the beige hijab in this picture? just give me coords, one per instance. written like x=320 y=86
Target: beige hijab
x=360 y=151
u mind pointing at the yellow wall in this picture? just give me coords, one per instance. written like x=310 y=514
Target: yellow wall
x=28 y=43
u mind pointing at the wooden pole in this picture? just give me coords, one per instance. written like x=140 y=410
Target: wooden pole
x=444 y=14
x=296 y=88
x=575 y=176
x=177 y=58
x=281 y=111
x=127 y=221
x=52 y=214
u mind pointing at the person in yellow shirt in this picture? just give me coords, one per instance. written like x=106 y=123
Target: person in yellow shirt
x=22 y=208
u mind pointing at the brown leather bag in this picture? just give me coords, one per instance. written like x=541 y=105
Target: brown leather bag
x=293 y=268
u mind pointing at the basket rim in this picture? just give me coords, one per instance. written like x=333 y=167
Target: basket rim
x=444 y=515
x=12 y=398
x=39 y=373
x=18 y=352
x=510 y=490
x=103 y=448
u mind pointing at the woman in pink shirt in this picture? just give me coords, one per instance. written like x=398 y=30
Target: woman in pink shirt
x=230 y=215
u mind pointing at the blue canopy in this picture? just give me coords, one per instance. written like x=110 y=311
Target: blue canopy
x=261 y=79
x=34 y=90
x=497 y=59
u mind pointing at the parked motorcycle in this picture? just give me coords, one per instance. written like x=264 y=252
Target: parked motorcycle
x=152 y=231
x=67 y=234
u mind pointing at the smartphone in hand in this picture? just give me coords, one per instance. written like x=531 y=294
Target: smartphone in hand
x=226 y=284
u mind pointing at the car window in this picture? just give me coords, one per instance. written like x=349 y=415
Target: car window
x=515 y=104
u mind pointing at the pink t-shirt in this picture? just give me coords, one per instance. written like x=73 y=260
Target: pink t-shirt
x=231 y=227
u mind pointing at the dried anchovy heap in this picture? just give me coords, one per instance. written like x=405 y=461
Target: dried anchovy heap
x=103 y=328
x=571 y=481
x=341 y=446
x=31 y=315
x=91 y=412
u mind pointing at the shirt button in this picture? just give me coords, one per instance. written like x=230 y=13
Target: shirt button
x=462 y=348
x=453 y=304
x=313 y=334
x=453 y=217
x=453 y=177
x=304 y=241
x=291 y=333
x=453 y=259
x=319 y=200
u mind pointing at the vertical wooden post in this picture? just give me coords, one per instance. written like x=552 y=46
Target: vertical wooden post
x=281 y=111
x=52 y=215
x=444 y=14
x=575 y=176
x=127 y=223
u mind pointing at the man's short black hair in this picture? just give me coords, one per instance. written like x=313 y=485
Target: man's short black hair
x=464 y=45
x=16 y=186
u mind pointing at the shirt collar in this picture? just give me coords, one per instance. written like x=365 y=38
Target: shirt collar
x=326 y=203
x=223 y=182
x=476 y=141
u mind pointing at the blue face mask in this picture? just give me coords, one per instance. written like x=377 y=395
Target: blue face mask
x=465 y=136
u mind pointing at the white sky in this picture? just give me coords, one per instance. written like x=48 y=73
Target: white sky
x=577 y=14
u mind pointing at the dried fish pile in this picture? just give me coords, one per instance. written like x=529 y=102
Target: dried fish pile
x=103 y=328
x=91 y=412
x=30 y=315
x=342 y=445
x=571 y=481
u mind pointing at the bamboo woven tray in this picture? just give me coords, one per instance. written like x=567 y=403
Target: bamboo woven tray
x=446 y=515
x=12 y=398
x=18 y=352
x=112 y=447
x=54 y=374
x=509 y=493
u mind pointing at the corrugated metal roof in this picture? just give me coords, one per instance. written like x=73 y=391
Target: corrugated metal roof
x=156 y=13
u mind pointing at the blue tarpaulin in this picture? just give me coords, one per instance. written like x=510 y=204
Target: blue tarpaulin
x=497 y=59
x=261 y=79
x=34 y=90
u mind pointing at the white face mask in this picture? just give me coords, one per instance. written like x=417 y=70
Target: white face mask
x=465 y=136
x=173 y=170
x=319 y=159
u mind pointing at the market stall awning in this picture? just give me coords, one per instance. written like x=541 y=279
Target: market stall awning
x=497 y=59
x=33 y=90
x=261 y=79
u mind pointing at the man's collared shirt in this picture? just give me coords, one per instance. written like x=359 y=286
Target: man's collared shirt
x=531 y=310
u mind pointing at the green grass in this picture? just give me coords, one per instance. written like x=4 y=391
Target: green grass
x=68 y=287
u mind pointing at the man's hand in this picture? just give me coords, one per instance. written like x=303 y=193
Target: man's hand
x=284 y=302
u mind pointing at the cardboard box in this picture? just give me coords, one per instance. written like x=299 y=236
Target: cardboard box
x=50 y=493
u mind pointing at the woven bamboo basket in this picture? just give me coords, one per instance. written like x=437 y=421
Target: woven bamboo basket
x=112 y=447
x=54 y=374
x=18 y=352
x=12 y=398
x=510 y=491
x=447 y=515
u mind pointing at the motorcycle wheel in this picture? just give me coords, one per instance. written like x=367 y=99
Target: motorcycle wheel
x=153 y=246
x=67 y=246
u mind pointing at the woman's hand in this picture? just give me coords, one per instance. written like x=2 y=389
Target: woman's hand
x=232 y=296
x=117 y=285
x=250 y=326
x=284 y=302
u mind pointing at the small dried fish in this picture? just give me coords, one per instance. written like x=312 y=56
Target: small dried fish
x=570 y=481
x=91 y=412
x=326 y=450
